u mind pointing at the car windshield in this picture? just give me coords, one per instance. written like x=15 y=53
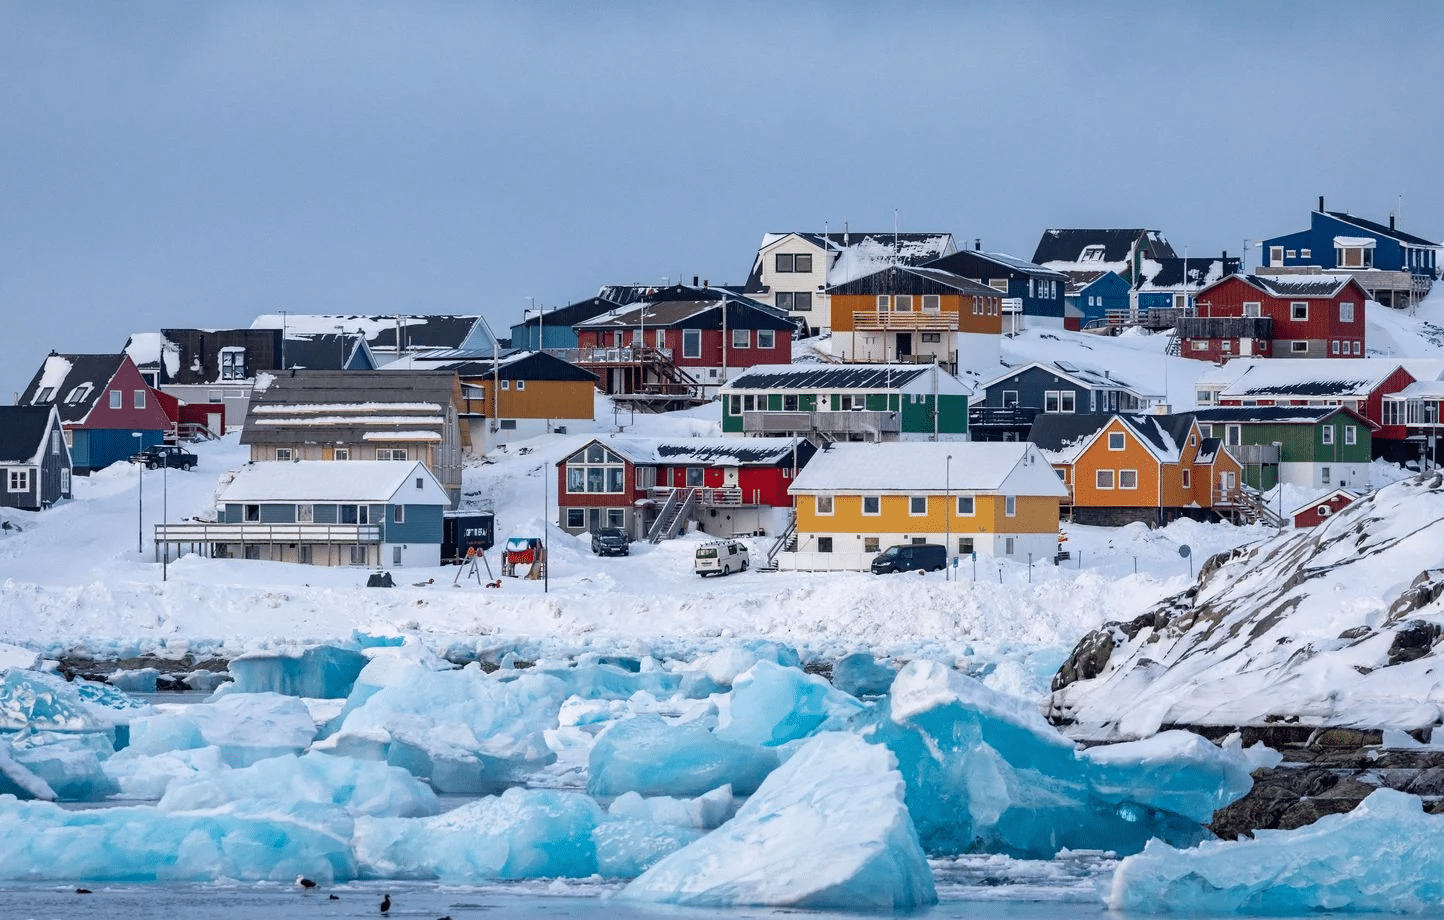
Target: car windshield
x=707 y=552
x=890 y=552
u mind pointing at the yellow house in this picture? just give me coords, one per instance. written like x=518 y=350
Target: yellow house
x=855 y=500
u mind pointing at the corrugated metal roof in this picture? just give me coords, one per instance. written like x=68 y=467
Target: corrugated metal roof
x=827 y=377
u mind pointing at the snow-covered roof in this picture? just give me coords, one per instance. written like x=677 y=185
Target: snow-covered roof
x=717 y=451
x=1316 y=377
x=1014 y=468
x=1091 y=378
x=876 y=378
x=333 y=481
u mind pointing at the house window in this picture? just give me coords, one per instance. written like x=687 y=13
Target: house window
x=1199 y=345
x=1299 y=310
x=19 y=480
x=932 y=303
x=305 y=514
x=646 y=477
x=694 y=477
x=395 y=555
x=1324 y=474
x=251 y=514
x=115 y=399
x=1233 y=435
x=1335 y=346
x=1050 y=401
x=1187 y=479
x=1193 y=440
x=1009 y=545
x=576 y=518
x=741 y=338
x=965 y=545
x=966 y=506
x=1252 y=308
x=398 y=514
x=342 y=453
x=138 y=399
x=824 y=544
x=1358 y=348
x=794 y=262
x=1327 y=433
x=521 y=384
x=1276 y=255
x=358 y=555
x=506 y=384
x=1346 y=313
x=1290 y=254
x=233 y=363
x=871 y=505
x=1127 y=479
x=283 y=453
x=616 y=517
x=797 y=301
x=65 y=481
x=903 y=303
x=1000 y=284
x=43 y=396
x=1354 y=256
x=789 y=402
x=1297 y=346
x=1010 y=506
x=55 y=442
x=595 y=470
x=882 y=303
x=917 y=505
x=1010 y=399
x=1067 y=401
x=1306 y=253
x=391 y=453
x=823 y=504
x=1092 y=254
x=506 y=424
x=691 y=343
x=766 y=338
x=1105 y=479
x=1351 y=434
x=1115 y=440
x=933 y=337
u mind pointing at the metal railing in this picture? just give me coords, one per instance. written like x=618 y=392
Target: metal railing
x=912 y=320
x=253 y=532
x=838 y=422
x=615 y=354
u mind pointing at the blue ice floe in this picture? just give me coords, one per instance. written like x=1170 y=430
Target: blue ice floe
x=319 y=672
x=827 y=830
x=648 y=755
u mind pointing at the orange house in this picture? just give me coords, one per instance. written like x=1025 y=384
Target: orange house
x=1150 y=468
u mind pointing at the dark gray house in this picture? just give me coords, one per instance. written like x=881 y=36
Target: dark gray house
x=1004 y=407
x=34 y=460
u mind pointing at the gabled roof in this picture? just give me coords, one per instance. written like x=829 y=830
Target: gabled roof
x=834 y=377
x=703 y=451
x=423 y=331
x=1288 y=286
x=359 y=481
x=326 y=351
x=1086 y=377
x=912 y=467
x=1310 y=377
x=72 y=383
x=1274 y=415
x=852 y=254
x=23 y=432
x=1175 y=274
x=906 y=279
x=1326 y=498
x=1063 y=249
x=693 y=313
x=1063 y=437
x=519 y=365
x=571 y=314
x=1381 y=229
x=350 y=406
x=975 y=262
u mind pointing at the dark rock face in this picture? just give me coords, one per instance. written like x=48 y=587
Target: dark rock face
x=1413 y=640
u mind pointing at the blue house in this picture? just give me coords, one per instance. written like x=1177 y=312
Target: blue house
x=1395 y=268
x=548 y=330
x=1172 y=283
x=1039 y=291
x=1095 y=293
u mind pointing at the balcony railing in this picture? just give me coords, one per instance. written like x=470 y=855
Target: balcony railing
x=251 y=532
x=716 y=498
x=1004 y=417
x=1254 y=454
x=840 y=422
x=1225 y=327
x=616 y=354
x=906 y=321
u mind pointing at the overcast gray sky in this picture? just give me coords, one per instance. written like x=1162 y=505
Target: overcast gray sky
x=195 y=164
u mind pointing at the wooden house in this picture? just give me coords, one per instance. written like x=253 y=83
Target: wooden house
x=1317 y=511
x=1004 y=407
x=543 y=329
x=847 y=402
x=1095 y=295
x=369 y=513
x=1150 y=468
x=655 y=487
x=35 y=464
x=1417 y=410
x=361 y=415
x=902 y=314
x=1310 y=447
x=1287 y=316
x=856 y=500
x=387 y=337
x=1173 y=284
x=1033 y=294
x=106 y=408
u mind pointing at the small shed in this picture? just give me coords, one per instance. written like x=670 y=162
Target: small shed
x=1322 y=508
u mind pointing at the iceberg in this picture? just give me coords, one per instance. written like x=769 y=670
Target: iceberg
x=70 y=765
x=359 y=787
x=1386 y=855
x=704 y=812
x=1173 y=771
x=319 y=672
x=859 y=674
x=715 y=673
x=771 y=705
x=246 y=727
x=647 y=755
x=827 y=830
x=34 y=700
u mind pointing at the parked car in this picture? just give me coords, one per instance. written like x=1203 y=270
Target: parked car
x=722 y=557
x=611 y=541
x=911 y=557
x=158 y=455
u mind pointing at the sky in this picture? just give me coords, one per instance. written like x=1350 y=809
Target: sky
x=195 y=165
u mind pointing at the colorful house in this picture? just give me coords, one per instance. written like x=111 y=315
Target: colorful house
x=1174 y=283
x=904 y=314
x=34 y=459
x=1310 y=447
x=1034 y=294
x=1096 y=294
x=1285 y=316
x=1319 y=510
x=847 y=402
x=653 y=488
x=1150 y=468
x=856 y=500
x=106 y=408
x=1004 y=407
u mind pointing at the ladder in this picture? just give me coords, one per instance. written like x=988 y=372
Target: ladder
x=785 y=541
x=674 y=512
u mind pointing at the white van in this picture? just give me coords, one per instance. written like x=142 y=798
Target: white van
x=722 y=557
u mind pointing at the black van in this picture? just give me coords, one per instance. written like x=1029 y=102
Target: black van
x=911 y=557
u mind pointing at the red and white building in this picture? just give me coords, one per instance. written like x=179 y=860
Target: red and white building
x=1277 y=316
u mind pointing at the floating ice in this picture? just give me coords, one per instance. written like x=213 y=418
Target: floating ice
x=715 y=673
x=464 y=731
x=246 y=727
x=1173 y=771
x=704 y=812
x=360 y=787
x=647 y=755
x=147 y=776
x=319 y=672
x=771 y=705
x=33 y=700
x=597 y=681
x=17 y=780
x=1386 y=855
x=523 y=833
x=71 y=765
x=860 y=675
x=139 y=680
x=827 y=830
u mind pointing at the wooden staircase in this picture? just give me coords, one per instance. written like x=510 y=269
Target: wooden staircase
x=673 y=515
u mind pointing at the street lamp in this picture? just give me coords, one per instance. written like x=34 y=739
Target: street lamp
x=139 y=494
x=546 y=512
x=164 y=515
x=1279 y=478
x=947 y=509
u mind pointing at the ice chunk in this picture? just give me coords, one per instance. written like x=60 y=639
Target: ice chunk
x=31 y=699
x=17 y=657
x=597 y=681
x=627 y=847
x=860 y=675
x=361 y=787
x=715 y=673
x=523 y=833
x=70 y=764
x=771 y=705
x=704 y=812
x=1174 y=771
x=464 y=731
x=1386 y=855
x=246 y=727
x=321 y=672
x=647 y=755
x=40 y=841
x=139 y=680
x=827 y=830
x=16 y=780
x=147 y=776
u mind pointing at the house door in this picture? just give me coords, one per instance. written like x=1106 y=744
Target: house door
x=904 y=344
x=1226 y=482
x=729 y=477
x=213 y=423
x=594 y=519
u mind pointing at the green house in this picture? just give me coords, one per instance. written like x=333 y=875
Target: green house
x=1313 y=447
x=846 y=402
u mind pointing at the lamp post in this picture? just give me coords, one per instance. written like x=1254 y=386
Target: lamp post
x=164 y=514
x=947 y=510
x=546 y=512
x=1279 y=478
x=139 y=495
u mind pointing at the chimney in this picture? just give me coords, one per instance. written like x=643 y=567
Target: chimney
x=704 y=284
x=1321 y=203
x=694 y=281
x=978 y=245
x=1391 y=220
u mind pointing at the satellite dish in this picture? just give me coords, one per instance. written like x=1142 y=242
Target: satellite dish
x=1185 y=550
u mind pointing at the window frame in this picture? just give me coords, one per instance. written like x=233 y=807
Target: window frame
x=913 y=501
x=766 y=338
x=1299 y=311
x=1103 y=480
x=691 y=343
x=1124 y=476
x=17 y=479
x=1117 y=438
x=876 y=501
x=823 y=505
x=972 y=506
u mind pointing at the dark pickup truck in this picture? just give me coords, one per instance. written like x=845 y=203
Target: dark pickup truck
x=158 y=455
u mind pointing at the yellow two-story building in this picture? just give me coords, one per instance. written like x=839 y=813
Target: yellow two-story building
x=855 y=500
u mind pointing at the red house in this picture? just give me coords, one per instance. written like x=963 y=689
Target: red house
x=107 y=409
x=1275 y=316
x=682 y=340
x=650 y=487
x=1321 y=509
